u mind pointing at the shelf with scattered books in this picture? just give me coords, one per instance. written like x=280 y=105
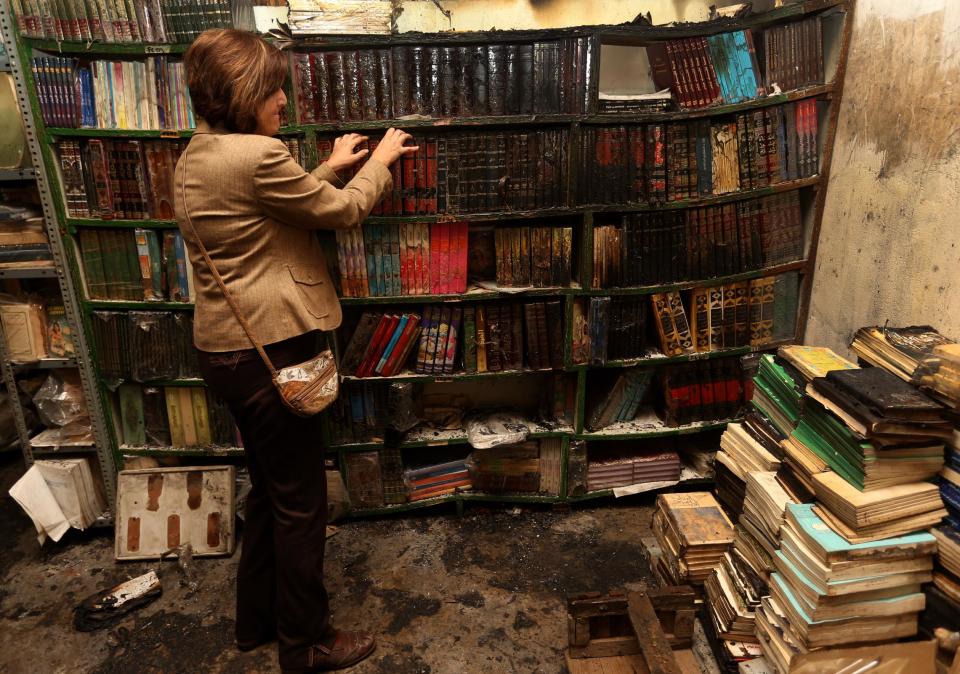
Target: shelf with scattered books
x=197 y=451
x=527 y=470
x=539 y=405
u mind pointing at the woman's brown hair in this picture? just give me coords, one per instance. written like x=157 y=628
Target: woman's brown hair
x=230 y=74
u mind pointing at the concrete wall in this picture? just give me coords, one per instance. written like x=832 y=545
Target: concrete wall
x=890 y=243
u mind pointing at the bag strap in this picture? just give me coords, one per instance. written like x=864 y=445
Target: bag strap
x=216 y=274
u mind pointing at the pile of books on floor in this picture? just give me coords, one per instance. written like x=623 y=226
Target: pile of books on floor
x=830 y=592
x=743 y=449
x=733 y=591
x=940 y=374
x=633 y=469
x=693 y=533
x=900 y=351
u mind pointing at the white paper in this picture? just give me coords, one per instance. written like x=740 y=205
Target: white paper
x=36 y=499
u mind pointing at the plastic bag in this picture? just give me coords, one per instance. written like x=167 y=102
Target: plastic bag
x=60 y=401
x=402 y=407
x=496 y=428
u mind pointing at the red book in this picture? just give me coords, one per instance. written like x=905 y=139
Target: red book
x=377 y=344
x=435 y=231
x=447 y=242
x=409 y=184
x=437 y=480
x=402 y=347
x=431 y=176
x=404 y=258
x=458 y=245
x=422 y=260
x=421 y=177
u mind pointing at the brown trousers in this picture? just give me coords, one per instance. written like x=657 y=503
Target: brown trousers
x=280 y=578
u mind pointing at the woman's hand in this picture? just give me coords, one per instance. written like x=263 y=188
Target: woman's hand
x=392 y=147
x=345 y=153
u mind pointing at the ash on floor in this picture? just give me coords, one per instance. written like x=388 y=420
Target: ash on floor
x=445 y=594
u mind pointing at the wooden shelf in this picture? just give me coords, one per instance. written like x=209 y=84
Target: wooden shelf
x=180 y=451
x=700 y=283
x=684 y=481
x=426 y=437
x=456 y=376
x=139 y=306
x=472 y=294
x=655 y=358
x=644 y=428
x=74 y=223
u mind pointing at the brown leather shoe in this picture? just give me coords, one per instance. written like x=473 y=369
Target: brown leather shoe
x=348 y=649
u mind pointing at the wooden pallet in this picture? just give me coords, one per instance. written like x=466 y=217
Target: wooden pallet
x=640 y=625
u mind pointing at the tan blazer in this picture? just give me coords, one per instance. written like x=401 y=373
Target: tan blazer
x=255 y=209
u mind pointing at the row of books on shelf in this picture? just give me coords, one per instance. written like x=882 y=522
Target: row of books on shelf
x=173 y=416
x=698 y=243
x=144 y=346
x=751 y=313
x=121 y=20
x=135 y=265
x=460 y=172
x=440 y=258
x=723 y=68
x=486 y=337
x=678 y=161
x=375 y=479
x=149 y=94
x=544 y=77
x=129 y=179
x=404 y=259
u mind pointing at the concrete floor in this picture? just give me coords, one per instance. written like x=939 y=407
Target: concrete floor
x=480 y=593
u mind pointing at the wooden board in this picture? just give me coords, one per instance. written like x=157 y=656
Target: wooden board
x=646 y=627
x=629 y=664
x=162 y=508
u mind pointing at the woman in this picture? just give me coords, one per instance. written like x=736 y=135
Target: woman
x=254 y=209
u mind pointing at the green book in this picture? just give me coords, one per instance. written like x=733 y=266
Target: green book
x=92 y=255
x=786 y=294
x=132 y=424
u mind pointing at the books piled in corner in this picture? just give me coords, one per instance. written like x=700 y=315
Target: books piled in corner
x=900 y=351
x=506 y=469
x=763 y=513
x=439 y=480
x=624 y=471
x=693 y=534
x=829 y=592
x=940 y=375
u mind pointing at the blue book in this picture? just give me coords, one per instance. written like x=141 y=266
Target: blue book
x=832 y=547
x=369 y=247
x=181 y=254
x=704 y=150
x=88 y=113
x=356 y=405
x=401 y=324
x=744 y=64
x=722 y=66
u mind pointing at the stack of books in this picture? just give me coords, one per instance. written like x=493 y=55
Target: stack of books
x=870 y=427
x=940 y=374
x=778 y=393
x=829 y=592
x=733 y=593
x=943 y=595
x=439 y=480
x=742 y=451
x=897 y=350
x=763 y=510
x=636 y=469
x=864 y=516
x=693 y=533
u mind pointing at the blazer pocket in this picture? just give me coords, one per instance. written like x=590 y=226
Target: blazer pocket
x=311 y=289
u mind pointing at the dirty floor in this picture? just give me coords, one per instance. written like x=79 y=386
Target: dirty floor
x=447 y=595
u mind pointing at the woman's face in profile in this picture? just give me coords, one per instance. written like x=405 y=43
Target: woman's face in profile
x=268 y=115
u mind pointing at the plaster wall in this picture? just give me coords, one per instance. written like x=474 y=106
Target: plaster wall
x=890 y=242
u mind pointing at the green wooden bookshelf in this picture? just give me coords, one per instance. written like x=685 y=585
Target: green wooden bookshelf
x=420 y=443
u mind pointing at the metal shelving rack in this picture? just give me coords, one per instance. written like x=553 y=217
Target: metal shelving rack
x=12 y=62
x=815 y=187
